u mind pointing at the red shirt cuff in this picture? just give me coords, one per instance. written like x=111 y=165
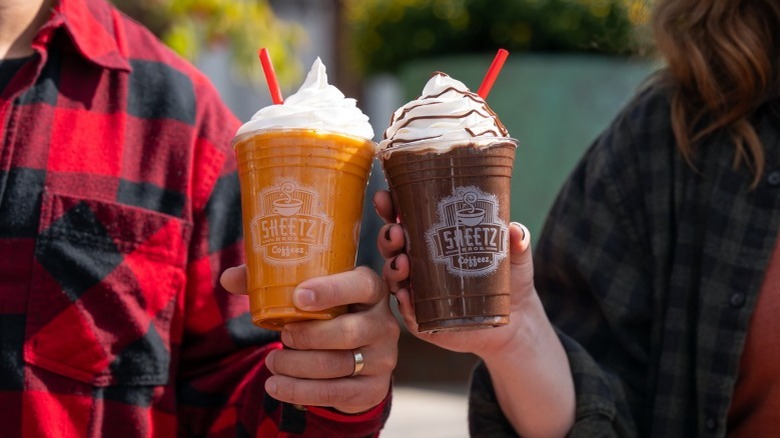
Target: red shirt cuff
x=370 y=415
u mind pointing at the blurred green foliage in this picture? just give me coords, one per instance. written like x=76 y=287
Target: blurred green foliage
x=189 y=26
x=388 y=33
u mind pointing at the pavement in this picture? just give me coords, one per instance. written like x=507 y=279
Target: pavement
x=429 y=413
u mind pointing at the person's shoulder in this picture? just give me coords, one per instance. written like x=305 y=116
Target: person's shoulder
x=143 y=47
x=158 y=68
x=173 y=87
x=640 y=135
x=649 y=110
x=643 y=122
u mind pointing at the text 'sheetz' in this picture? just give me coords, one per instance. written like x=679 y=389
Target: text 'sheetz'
x=290 y=227
x=469 y=237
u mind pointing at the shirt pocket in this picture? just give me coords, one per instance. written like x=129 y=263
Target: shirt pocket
x=104 y=290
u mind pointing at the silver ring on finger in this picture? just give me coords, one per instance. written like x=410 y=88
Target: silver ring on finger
x=358 y=367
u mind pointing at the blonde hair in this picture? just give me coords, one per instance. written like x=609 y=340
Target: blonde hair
x=722 y=58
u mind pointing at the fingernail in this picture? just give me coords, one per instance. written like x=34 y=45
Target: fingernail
x=387 y=232
x=303 y=297
x=269 y=362
x=270 y=386
x=286 y=339
x=393 y=264
x=522 y=229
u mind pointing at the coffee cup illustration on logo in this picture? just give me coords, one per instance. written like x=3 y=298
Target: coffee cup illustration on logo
x=469 y=238
x=470 y=216
x=287 y=206
x=291 y=226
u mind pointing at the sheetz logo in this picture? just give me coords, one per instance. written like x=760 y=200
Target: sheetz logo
x=291 y=226
x=469 y=238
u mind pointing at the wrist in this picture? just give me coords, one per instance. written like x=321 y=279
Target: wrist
x=527 y=331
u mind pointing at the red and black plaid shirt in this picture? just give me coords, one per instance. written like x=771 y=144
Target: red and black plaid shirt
x=118 y=210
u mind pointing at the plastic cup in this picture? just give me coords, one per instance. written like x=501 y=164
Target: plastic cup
x=302 y=196
x=452 y=199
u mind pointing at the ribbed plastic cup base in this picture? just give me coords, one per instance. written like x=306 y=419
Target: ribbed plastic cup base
x=462 y=313
x=275 y=318
x=272 y=308
x=463 y=324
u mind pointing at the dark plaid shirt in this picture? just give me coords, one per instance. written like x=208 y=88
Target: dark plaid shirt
x=650 y=271
x=118 y=210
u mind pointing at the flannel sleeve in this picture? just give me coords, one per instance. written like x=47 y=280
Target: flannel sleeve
x=593 y=271
x=222 y=364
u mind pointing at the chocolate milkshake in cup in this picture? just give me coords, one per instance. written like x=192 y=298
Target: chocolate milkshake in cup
x=303 y=168
x=448 y=161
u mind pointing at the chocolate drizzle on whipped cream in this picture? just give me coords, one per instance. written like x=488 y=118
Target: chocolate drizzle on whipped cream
x=446 y=110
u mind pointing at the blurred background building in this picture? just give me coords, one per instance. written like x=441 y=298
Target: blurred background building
x=572 y=65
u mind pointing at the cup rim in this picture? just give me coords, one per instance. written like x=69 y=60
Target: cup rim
x=317 y=130
x=424 y=144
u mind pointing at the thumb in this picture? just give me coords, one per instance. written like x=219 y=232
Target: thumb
x=520 y=256
x=519 y=244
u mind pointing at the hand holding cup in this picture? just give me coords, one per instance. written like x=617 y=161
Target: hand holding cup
x=345 y=362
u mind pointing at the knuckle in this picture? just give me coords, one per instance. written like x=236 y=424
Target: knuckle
x=385 y=364
x=350 y=332
x=374 y=285
x=388 y=360
x=366 y=283
x=392 y=330
x=328 y=289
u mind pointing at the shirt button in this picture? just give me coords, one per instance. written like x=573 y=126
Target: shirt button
x=737 y=299
x=711 y=424
x=773 y=178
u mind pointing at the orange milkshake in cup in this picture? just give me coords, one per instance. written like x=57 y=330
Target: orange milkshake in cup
x=303 y=167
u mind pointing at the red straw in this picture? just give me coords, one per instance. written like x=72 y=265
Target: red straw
x=492 y=73
x=270 y=76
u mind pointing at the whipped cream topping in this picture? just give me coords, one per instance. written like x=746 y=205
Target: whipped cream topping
x=445 y=111
x=316 y=105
